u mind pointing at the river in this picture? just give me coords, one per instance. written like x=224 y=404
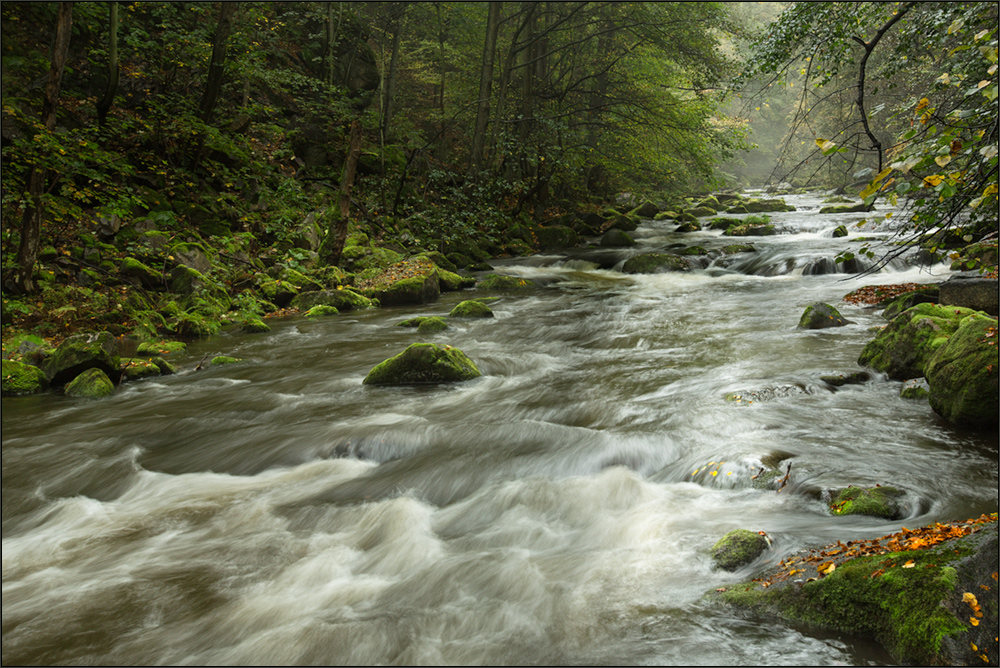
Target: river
x=559 y=510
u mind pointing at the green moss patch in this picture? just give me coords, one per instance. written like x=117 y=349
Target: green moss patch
x=909 y=591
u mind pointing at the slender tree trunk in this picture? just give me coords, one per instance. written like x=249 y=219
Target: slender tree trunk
x=389 y=93
x=485 y=87
x=217 y=67
x=31 y=221
x=336 y=236
x=104 y=104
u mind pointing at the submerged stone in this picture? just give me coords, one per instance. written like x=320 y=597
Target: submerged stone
x=738 y=548
x=424 y=363
x=136 y=368
x=616 y=238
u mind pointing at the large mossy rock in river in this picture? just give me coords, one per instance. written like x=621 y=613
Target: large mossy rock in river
x=616 y=238
x=343 y=300
x=962 y=374
x=738 y=548
x=928 y=595
x=91 y=384
x=904 y=347
x=498 y=282
x=820 y=316
x=79 y=353
x=424 y=363
x=655 y=263
x=21 y=378
x=471 y=308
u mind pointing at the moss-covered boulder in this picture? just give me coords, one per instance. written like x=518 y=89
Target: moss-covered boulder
x=646 y=210
x=625 y=222
x=924 y=295
x=91 y=384
x=321 y=311
x=342 y=299
x=881 y=502
x=556 y=237
x=21 y=378
x=928 y=595
x=254 y=325
x=962 y=374
x=751 y=230
x=149 y=278
x=654 y=263
x=723 y=223
x=839 y=231
x=471 y=309
x=903 y=348
x=224 y=360
x=685 y=228
x=616 y=238
x=847 y=208
x=821 y=316
x=161 y=347
x=701 y=211
x=733 y=249
x=760 y=206
x=424 y=363
x=431 y=325
x=738 y=548
x=165 y=367
x=498 y=282
x=136 y=368
x=449 y=281
x=280 y=293
x=79 y=353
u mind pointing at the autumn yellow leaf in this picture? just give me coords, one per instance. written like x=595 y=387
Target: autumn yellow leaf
x=826 y=568
x=973 y=621
x=970 y=598
x=933 y=179
x=909 y=564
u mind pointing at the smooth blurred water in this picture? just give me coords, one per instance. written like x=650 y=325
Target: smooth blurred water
x=560 y=509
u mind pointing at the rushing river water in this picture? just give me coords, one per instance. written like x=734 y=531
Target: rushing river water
x=560 y=509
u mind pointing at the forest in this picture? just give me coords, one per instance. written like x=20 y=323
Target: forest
x=242 y=127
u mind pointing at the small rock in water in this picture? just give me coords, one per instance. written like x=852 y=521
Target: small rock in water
x=738 y=548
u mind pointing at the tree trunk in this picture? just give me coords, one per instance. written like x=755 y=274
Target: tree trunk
x=389 y=92
x=31 y=221
x=336 y=235
x=217 y=68
x=104 y=104
x=485 y=87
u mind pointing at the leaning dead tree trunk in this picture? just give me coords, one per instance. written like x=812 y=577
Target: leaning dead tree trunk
x=336 y=235
x=31 y=221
